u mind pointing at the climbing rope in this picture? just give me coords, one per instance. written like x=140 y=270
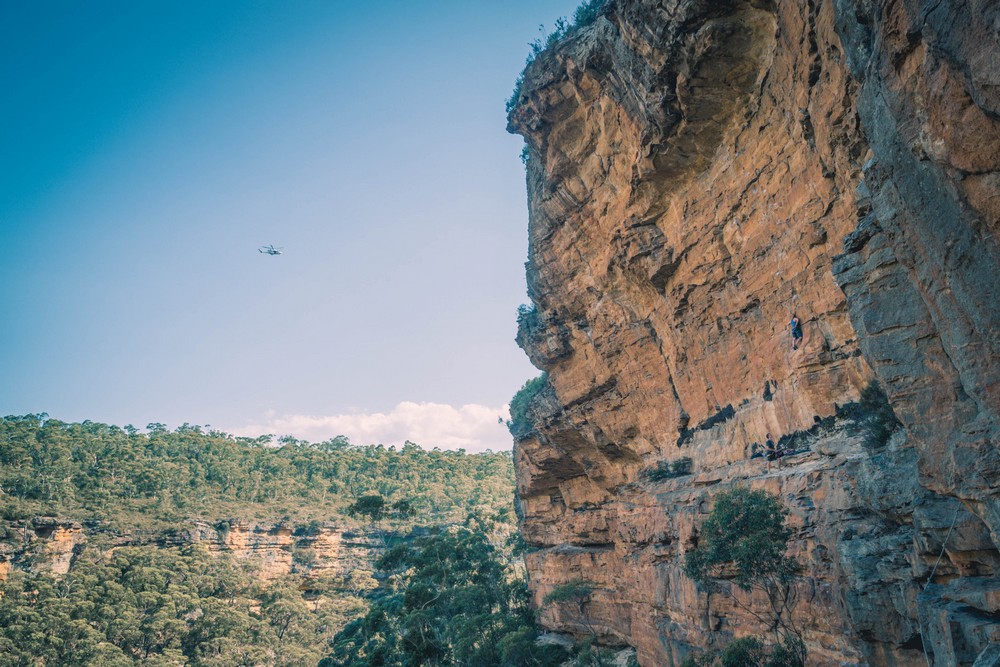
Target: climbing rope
x=930 y=578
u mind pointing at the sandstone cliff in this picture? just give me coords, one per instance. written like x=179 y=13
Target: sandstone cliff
x=698 y=172
x=270 y=550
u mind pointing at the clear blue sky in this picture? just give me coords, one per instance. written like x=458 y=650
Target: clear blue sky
x=148 y=148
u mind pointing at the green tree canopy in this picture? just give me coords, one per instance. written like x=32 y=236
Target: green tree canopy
x=451 y=598
x=127 y=479
x=744 y=540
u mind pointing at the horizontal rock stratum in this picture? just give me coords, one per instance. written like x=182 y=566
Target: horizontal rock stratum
x=698 y=173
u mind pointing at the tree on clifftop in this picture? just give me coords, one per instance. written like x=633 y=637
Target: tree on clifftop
x=372 y=506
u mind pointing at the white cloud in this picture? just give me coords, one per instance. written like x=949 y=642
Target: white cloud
x=472 y=427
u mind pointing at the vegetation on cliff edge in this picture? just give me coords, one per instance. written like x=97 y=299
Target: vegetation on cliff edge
x=520 y=424
x=585 y=14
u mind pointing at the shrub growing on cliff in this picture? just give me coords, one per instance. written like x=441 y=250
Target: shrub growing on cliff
x=519 y=424
x=669 y=470
x=744 y=652
x=751 y=652
x=588 y=12
x=743 y=542
x=528 y=317
x=516 y=94
x=876 y=416
x=576 y=591
x=584 y=15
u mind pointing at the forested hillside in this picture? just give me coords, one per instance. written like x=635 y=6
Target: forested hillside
x=187 y=547
x=128 y=479
x=164 y=606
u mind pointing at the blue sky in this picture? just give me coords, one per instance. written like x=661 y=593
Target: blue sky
x=149 y=148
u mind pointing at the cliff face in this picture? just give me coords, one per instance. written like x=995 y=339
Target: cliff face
x=43 y=542
x=699 y=172
x=271 y=550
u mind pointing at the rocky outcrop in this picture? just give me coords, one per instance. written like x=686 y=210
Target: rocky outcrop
x=278 y=550
x=921 y=272
x=270 y=550
x=43 y=543
x=698 y=172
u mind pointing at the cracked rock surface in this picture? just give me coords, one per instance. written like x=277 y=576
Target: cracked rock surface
x=698 y=173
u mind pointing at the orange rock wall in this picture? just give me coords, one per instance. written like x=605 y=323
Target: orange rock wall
x=697 y=173
x=272 y=551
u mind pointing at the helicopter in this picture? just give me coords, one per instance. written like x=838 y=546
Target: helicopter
x=269 y=250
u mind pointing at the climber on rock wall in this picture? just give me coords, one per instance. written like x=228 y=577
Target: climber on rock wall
x=796 y=326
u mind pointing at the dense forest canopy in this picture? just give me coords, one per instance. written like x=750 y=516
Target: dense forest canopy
x=129 y=479
x=132 y=598
x=163 y=606
x=451 y=598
